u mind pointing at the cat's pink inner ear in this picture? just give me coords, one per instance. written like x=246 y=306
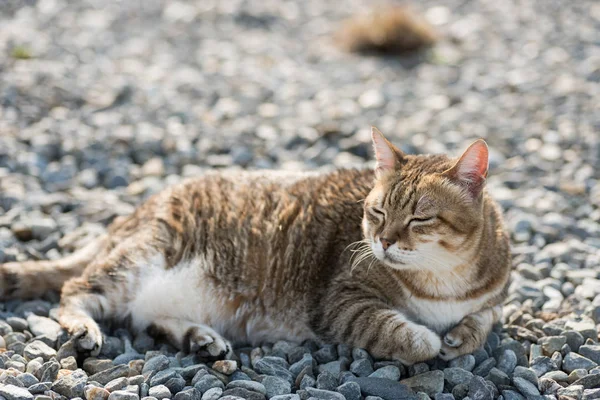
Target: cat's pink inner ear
x=386 y=155
x=472 y=167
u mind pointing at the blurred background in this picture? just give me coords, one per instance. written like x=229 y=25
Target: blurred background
x=103 y=103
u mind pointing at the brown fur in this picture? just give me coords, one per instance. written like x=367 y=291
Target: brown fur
x=392 y=29
x=275 y=253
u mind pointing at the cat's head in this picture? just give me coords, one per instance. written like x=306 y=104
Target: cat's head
x=425 y=211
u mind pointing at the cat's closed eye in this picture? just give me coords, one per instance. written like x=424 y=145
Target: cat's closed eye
x=377 y=212
x=419 y=220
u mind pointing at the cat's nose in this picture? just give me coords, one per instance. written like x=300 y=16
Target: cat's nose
x=385 y=243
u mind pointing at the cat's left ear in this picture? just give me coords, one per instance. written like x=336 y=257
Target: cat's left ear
x=388 y=156
x=471 y=169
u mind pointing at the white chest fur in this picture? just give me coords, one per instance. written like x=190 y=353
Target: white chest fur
x=441 y=315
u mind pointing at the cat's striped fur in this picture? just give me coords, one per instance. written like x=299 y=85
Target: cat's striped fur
x=392 y=260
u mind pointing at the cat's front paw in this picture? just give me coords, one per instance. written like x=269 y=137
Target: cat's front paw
x=461 y=340
x=208 y=343
x=88 y=337
x=418 y=343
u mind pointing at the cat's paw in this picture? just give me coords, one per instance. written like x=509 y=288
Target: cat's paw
x=420 y=344
x=208 y=343
x=459 y=341
x=88 y=337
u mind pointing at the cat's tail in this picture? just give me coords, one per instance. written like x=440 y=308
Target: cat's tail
x=29 y=279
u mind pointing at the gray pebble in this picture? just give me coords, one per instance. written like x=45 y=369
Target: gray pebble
x=160 y=392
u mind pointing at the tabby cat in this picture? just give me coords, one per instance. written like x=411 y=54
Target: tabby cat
x=409 y=261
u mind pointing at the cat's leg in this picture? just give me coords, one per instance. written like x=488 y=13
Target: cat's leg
x=80 y=306
x=470 y=334
x=356 y=317
x=193 y=337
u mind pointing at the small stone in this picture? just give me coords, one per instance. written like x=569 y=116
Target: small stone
x=95 y=393
x=573 y=361
x=11 y=392
x=590 y=381
x=117 y=384
x=325 y=394
x=286 y=397
x=384 y=388
x=40 y=388
x=123 y=395
x=590 y=351
x=103 y=377
x=212 y=393
x=37 y=349
x=326 y=354
x=542 y=365
x=551 y=344
x=49 y=371
x=444 y=396
x=389 y=372
x=526 y=387
x=512 y=395
x=361 y=367
x=42 y=326
x=371 y=99
x=460 y=391
x=188 y=394
x=276 y=386
x=527 y=374
x=466 y=362
x=249 y=385
x=93 y=366
x=326 y=381
x=17 y=324
x=591 y=394
x=208 y=382
x=244 y=394
x=156 y=364
x=479 y=390
x=305 y=361
x=27 y=379
x=507 y=362
x=274 y=366
x=350 y=390
x=69 y=363
x=160 y=392
x=456 y=376
x=573 y=391
x=574 y=340
x=499 y=378
x=558 y=376
x=71 y=385
x=485 y=367
x=226 y=367
x=307 y=381
x=428 y=382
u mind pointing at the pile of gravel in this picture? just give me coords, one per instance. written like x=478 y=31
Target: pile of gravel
x=104 y=103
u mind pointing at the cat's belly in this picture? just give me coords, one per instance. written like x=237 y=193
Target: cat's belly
x=184 y=292
x=441 y=315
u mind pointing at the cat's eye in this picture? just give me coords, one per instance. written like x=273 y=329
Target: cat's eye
x=421 y=219
x=377 y=212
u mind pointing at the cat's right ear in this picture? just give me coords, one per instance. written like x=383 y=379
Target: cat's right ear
x=387 y=155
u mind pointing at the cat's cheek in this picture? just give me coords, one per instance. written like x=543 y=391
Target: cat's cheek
x=366 y=227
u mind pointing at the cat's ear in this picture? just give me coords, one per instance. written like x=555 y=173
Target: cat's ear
x=471 y=169
x=387 y=155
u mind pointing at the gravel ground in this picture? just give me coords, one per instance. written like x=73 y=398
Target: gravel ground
x=104 y=103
